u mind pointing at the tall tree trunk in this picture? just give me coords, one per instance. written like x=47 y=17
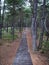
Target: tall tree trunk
x=7 y=26
x=42 y=25
x=3 y=12
x=0 y=22
x=21 y=19
x=13 y=20
x=34 y=24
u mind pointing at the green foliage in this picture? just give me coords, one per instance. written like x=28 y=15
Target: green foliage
x=27 y=12
x=8 y=36
x=16 y=2
x=45 y=46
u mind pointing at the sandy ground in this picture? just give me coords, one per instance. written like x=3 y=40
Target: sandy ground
x=8 y=52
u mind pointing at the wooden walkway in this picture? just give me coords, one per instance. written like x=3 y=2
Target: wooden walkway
x=25 y=55
x=22 y=55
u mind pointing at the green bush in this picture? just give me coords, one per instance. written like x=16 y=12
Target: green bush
x=8 y=35
x=45 y=46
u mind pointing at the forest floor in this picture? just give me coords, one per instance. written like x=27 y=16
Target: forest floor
x=8 y=52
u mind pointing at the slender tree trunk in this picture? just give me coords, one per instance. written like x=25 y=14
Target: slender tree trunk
x=42 y=24
x=21 y=19
x=20 y=26
x=46 y=30
x=13 y=20
x=0 y=22
x=3 y=12
x=7 y=26
x=34 y=24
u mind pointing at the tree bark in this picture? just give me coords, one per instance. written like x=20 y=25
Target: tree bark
x=7 y=27
x=21 y=19
x=42 y=25
x=13 y=20
x=0 y=22
x=34 y=24
x=3 y=12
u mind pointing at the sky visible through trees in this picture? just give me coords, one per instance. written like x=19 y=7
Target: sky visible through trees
x=17 y=16
x=27 y=4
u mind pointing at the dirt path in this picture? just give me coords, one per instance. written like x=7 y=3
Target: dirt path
x=8 y=52
x=22 y=55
